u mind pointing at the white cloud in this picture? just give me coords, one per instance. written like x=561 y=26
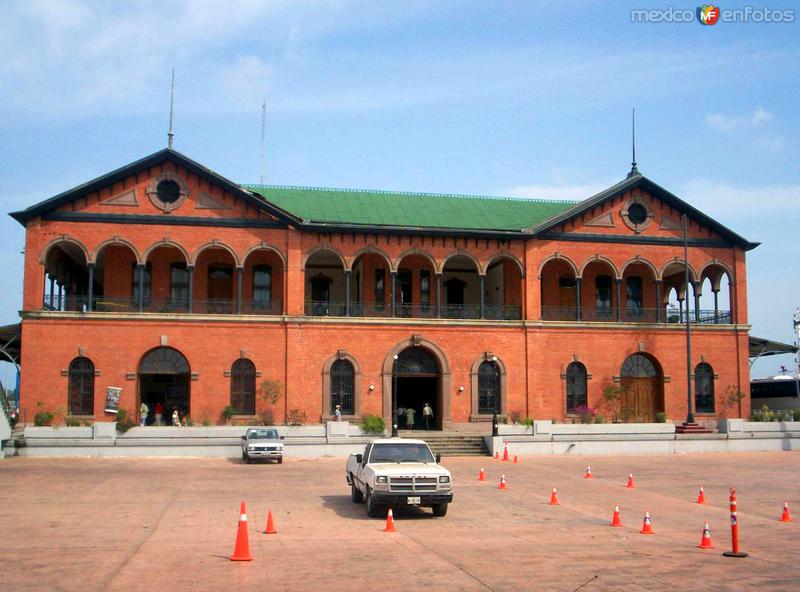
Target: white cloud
x=740 y=202
x=729 y=123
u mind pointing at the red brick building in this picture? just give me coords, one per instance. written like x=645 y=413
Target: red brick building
x=182 y=287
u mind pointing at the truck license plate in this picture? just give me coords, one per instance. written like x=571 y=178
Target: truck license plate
x=413 y=500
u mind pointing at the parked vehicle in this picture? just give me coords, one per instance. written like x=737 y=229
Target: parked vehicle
x=263 y=443
x=398 y=472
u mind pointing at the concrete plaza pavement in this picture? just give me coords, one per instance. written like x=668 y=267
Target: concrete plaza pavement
x=170 y=524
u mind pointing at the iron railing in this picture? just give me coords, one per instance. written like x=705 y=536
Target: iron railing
x=641 y=315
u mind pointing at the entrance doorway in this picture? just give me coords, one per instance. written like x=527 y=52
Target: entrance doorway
x=164 y=379
x=643 y=396
x=417 y=380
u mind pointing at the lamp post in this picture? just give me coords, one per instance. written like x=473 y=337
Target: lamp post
x=689 y=414
x=394 y=397
x=495 y=427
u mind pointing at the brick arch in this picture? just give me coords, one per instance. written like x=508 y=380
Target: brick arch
x=715 y=281
x=416 y=251
x=318 y=249
x=558 y=256
x=444 y=368
x=216 y=244
x=116 y=241
x=480 y=269
x=326 y=385
x=600 y=259
x=643 y=261
x=678 y=260
x=262 y=246
x=165 y=242
x=64 y=238
x=473 y=382
x=369 y=250
x=509 y=256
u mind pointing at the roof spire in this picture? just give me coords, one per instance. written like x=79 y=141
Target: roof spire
x=263 y=133
x=634 y=170
x=171 y=135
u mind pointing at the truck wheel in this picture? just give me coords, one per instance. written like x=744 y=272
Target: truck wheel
x=355 y=495
x=440 y=510
x=372 y=509
x=280 y=460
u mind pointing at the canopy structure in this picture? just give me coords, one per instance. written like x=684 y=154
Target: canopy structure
x=10 y=342
x=760 y=347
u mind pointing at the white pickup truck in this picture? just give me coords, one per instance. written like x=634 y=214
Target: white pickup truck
x=397 y=472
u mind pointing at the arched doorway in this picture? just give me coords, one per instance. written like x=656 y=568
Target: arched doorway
x=164 y=378
x=417 y=382
x=642 y=380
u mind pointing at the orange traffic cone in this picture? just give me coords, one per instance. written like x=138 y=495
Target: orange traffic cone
x=615 y=520
x=588 y=474
x=503 y=482
x=554 y=497
x=241 y=551
x=786 y=517
x=505 y=452
x=497 y=455
x=516 y=458
x=481 y=475
x=701 y=497
x=270 y=524
x=705 y=542
x=390 y=522
x=647 y=527
x=630 y=484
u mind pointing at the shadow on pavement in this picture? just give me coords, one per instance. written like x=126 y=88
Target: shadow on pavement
x=345 y=508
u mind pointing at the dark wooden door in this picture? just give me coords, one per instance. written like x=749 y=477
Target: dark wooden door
x=220 y=283
x=638 y=402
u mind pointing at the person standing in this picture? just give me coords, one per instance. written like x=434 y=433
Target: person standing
x=159 y=409
x=143 y=411
x=176 y=419
x=337 y=413
x=427 y=415
x=401 y=417
x=410 y=418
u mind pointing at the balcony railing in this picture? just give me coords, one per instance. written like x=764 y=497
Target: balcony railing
x=127 y=304
x=321 y=308
x=497 y=312
x=641 y=315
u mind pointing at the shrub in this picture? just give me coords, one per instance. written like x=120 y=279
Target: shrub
x=296 y=417
x=585 y=413
x=661 y=417
x=372 y=424
x=187 y=421
x=227 y=412
x=43 y=418
x=265 y=416
x=528 y=421
x=206 y=422
x=71 y=421
x=599 y=419
x=124 y=421
x=796 y=414
x=515 y=416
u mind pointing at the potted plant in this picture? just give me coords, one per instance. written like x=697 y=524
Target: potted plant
x=228 y=412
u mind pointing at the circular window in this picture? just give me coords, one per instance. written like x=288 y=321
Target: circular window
x=637 y=213
x=168 y=191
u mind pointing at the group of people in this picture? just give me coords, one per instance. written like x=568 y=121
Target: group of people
x=158 y=419
x=405 y=415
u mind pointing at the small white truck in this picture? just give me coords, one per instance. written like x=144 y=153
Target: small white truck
x=398 y=472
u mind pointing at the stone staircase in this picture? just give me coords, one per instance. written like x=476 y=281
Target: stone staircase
x=450 y=444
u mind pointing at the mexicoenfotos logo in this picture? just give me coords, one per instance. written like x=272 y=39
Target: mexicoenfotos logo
x=707 y=14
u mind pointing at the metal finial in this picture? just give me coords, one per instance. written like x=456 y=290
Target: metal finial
x=634 y=170
x=170 y=135
x=263 y=135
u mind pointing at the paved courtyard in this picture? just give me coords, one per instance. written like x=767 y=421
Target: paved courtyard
x=170 y=524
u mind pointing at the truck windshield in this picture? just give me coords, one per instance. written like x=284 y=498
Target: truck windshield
x=262 y=435
x=398 y=453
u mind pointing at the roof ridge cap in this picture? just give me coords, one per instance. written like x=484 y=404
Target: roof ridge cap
x=414 y=193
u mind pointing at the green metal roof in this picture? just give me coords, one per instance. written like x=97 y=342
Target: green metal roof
x=396 y=208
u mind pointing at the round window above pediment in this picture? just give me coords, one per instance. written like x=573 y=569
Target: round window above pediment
x=636 y=214
x=168 y=191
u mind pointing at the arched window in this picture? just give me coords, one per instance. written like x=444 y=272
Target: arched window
x=243 y=387
x=343 y=387
x=576 y=386
x=80 y=393
x=488 y=388
x=704 y=388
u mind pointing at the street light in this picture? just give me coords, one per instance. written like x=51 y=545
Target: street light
x=495 y=428
x=394 y=397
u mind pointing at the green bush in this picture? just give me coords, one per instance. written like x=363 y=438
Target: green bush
x=372 y=424
x=124 y=421
x=228 y=411
x=43 y=418
x=599 y=419
x=661 y=417
x=796 y=414
x=71 y=421
x=514 y=416
x=528 y=421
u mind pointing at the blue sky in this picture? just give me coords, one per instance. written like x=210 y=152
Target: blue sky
x=503 y=98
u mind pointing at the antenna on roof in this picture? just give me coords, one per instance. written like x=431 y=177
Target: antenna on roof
x=634 y=170
x=171 y=135
x=263 y=135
